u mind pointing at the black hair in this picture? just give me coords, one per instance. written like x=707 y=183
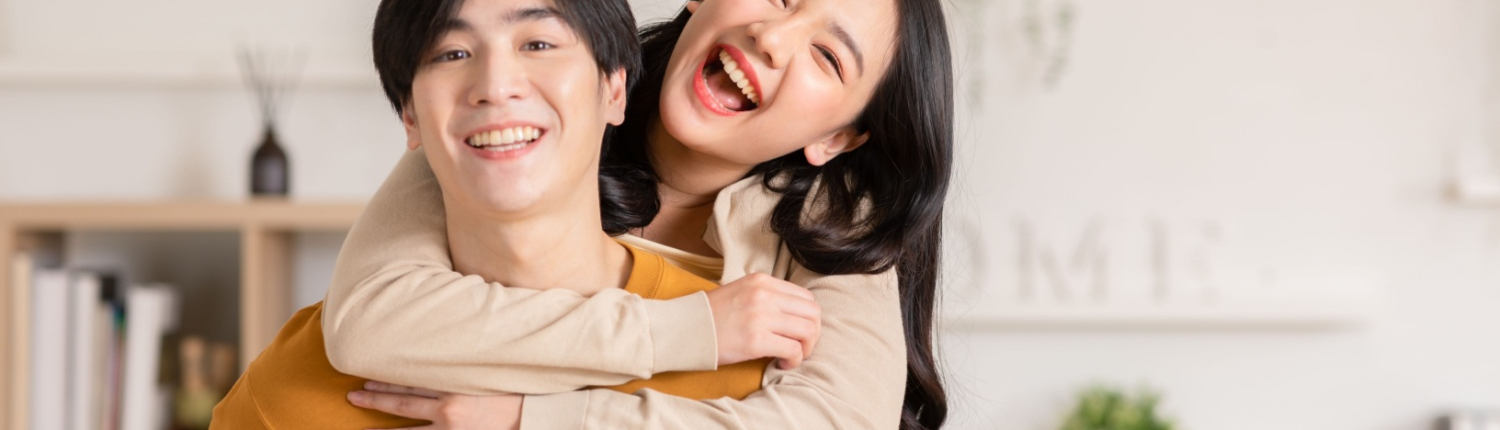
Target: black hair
x=879 y=206
x=406 y=29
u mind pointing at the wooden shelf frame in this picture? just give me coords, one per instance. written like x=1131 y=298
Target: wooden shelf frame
x=267 y=230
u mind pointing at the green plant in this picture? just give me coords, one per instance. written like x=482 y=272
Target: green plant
x=1108 y=408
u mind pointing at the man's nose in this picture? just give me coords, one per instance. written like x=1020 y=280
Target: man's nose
x=499 y=78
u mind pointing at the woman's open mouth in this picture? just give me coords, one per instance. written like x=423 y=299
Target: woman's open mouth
x=723 y=85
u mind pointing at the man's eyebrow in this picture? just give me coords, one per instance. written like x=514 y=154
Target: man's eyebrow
x=515 y=16
x=530 y=14
x=843 y=36
x=456 y=24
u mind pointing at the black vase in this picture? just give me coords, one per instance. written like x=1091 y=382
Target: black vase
x=269 y=169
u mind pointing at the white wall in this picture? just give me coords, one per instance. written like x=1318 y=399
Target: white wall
x=1317 y=136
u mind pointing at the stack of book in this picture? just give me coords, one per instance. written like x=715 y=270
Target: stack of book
x=94 y=345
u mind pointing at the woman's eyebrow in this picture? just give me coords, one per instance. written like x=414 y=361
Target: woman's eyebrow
x=843 y=36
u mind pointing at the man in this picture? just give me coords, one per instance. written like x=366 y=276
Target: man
x=510 y=101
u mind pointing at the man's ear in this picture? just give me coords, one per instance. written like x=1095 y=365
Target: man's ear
x=844 y=140
x=615 y=96
x=409 y=121
x=692 y=5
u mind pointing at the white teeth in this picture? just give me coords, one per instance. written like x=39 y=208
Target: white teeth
x=504 y=140
x=738 y=76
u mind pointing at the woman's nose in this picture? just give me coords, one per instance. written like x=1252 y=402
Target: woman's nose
x=776 y=37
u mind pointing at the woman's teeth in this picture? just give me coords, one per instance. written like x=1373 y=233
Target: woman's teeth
x=504 y=140
x=738 y=76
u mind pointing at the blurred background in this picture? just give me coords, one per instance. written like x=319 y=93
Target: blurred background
x=1275 y=214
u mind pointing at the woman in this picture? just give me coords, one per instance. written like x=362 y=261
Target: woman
x=868 y=101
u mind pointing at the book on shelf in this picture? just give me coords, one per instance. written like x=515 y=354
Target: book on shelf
x=150 y=314
x=49 y=349
x=83 y=368
x=94 y=347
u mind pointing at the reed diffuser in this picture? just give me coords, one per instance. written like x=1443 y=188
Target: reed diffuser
x=269 y=78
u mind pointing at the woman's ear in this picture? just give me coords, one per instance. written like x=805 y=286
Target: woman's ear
x=409 y=121
x=615 y=97
x=844 y=140
x=692 y=5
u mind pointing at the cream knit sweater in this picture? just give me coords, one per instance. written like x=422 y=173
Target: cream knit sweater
x=397 y=312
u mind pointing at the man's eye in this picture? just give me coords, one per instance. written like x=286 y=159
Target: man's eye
x=451 y=56
x=536 y=46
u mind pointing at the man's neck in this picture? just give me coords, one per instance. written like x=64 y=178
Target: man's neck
x=556 y=250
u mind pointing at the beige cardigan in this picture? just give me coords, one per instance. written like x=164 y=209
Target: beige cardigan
x=397 y=312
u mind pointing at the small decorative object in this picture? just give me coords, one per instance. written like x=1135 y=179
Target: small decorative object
x=195 y=402
x=1106 y=408
x=206 y=371
x=268 y=80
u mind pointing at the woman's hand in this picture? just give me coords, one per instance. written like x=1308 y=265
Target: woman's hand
x=761 y=316
x=446 y=411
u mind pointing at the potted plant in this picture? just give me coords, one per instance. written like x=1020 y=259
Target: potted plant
x=1107 y=408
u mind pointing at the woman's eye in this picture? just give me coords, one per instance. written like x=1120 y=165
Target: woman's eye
x=451 y=56
x=833 y=60
x=536 y=46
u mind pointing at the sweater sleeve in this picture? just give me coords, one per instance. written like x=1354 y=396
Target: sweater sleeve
x=855 y=379
x=397 y=312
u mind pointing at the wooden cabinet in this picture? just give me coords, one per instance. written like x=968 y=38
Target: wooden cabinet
x=266 y=229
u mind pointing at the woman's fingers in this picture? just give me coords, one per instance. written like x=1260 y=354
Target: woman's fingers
x=800 y=330
x=406 y=405
x=789 y=353
x=790 y=289
x=761 y=316
x=802 y=308
x=386 y=387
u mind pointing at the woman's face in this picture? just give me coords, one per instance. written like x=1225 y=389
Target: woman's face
x=752 y=80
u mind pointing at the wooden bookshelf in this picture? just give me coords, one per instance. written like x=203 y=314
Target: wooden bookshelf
x=266 y=230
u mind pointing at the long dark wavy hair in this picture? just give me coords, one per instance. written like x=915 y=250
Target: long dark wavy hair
x=880 y=205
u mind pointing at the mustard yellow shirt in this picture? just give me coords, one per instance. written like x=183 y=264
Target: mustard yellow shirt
x=292 y=385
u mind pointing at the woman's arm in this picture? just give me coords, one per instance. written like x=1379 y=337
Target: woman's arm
x=855 y=379
x=397 y=312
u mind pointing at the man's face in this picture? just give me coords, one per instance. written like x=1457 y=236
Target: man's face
x=511 y=109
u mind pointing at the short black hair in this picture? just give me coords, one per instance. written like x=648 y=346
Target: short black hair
x=405 y=29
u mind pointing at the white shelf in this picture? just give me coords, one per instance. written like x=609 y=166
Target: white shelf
x=1165 y=317
x=171 y=73
x=1478 y=191
x=1334 y=305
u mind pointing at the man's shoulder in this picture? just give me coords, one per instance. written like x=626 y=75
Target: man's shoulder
x=652 y=277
